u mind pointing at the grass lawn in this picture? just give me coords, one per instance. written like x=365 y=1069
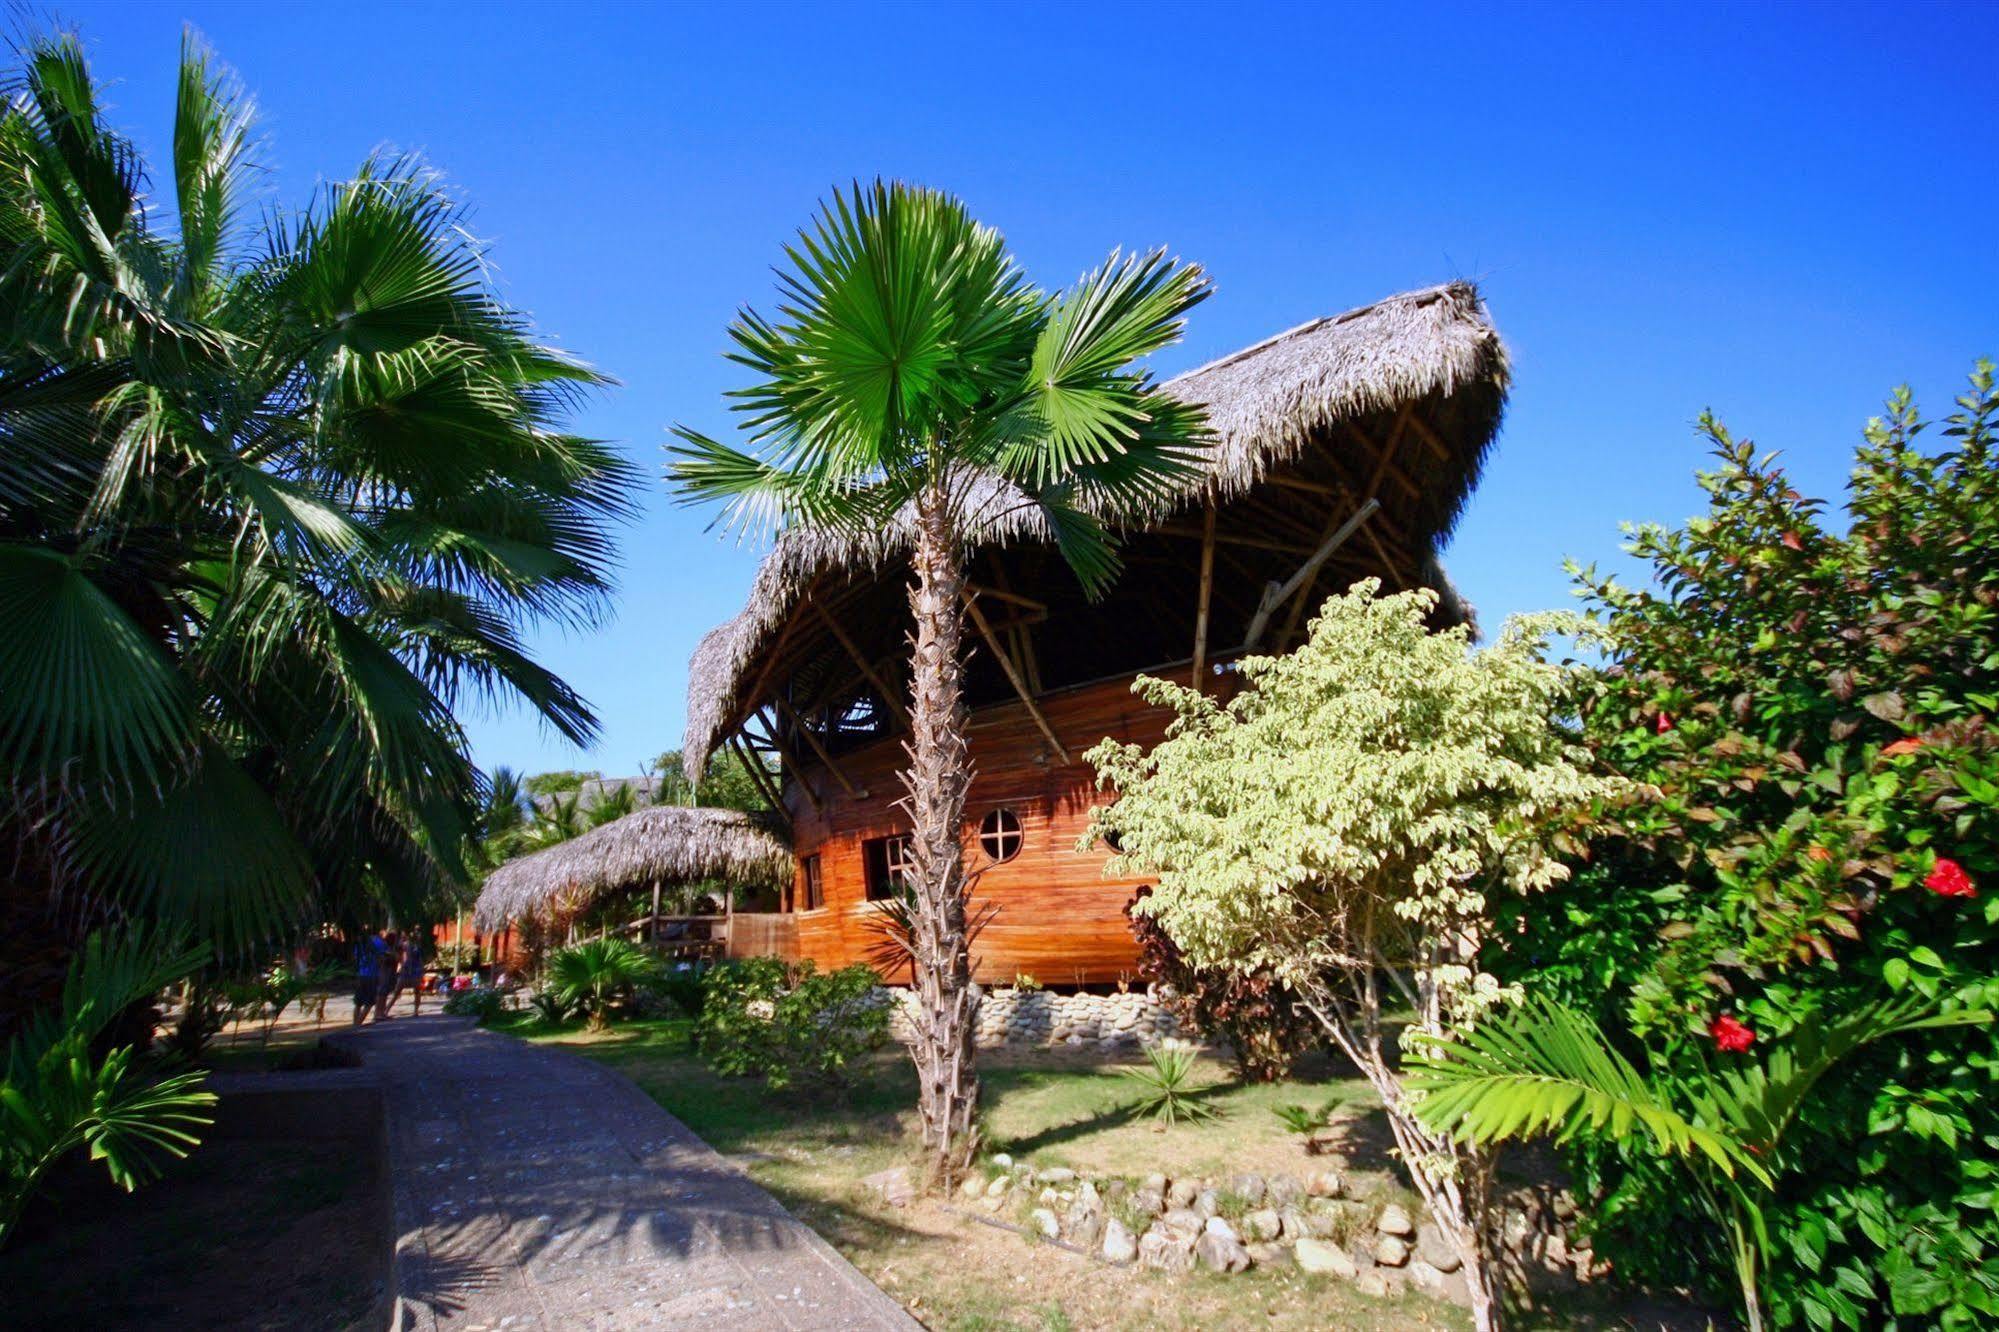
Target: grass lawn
x=963 y=1274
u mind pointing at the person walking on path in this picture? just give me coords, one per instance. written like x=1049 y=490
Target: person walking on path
x=409 y=976
x=370 y=955
x=385 y=985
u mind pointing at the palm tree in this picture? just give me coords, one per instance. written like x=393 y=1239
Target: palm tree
x=914 y=377
x=592 y=974
x=277 y=493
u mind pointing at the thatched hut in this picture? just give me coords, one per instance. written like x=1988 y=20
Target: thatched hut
x=1346 y=448
x=662 y=846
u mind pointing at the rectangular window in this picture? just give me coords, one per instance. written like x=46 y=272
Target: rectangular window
x=812 y=895
x=886 y=861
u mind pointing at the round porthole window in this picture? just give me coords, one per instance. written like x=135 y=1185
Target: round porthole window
x=999 y=835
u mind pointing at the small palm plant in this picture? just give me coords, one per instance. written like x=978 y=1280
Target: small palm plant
x=1543 y=1068
x=1166 y=1091
x=594 y=975
x=57 y=1094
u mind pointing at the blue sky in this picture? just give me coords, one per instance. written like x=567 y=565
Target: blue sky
x=1777 y=211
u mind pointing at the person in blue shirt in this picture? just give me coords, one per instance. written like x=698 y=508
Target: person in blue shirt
x=369 y=957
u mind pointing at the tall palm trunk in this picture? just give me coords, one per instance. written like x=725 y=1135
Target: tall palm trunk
x=938 y=776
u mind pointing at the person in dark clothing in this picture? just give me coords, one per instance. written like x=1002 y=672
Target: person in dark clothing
x=385 y=982
x=370 y=955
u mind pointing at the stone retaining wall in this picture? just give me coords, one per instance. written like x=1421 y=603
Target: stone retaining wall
x=1042 y=1019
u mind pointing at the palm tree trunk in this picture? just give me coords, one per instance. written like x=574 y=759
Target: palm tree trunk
x=940 y=772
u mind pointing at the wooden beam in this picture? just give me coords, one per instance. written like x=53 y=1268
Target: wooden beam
x=853 y=650
x=853 y=792
x=797 y=768
x=1303 y=601
x=1429 y=437
x=1387 y=457
x=1232 y=539
x=1013 y=675
x=1276 y=595
x=1203 y=600
x=1001 y=594
x=760 y=775
x=1020 y=633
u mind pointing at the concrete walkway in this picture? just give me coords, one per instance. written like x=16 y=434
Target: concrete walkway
x=536 y=1189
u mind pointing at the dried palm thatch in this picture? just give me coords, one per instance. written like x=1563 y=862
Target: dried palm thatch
x=666 y=844
x=1266 y=404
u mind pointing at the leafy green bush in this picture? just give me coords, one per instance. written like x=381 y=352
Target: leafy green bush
x=551 y=1008
x=593 y=976
x=483 y=1002
x=682 y=989
x=1813 y=710
x=792 y=1026
x=1254 y=1011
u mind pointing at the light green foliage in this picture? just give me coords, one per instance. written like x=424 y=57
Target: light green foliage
x=1345 y=824
x=792 y=1026
x=483 y=1003
x=565 y=781
x=1363 y=796
x=596 y=974
x=57 y=1094
x=1165 y=1083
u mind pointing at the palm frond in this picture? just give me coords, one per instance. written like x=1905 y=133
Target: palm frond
x=1542 y=1068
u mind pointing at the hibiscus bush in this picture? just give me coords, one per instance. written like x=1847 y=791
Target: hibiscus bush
x=1810 y=697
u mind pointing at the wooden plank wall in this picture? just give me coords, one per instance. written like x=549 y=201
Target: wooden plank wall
x=1060 y=920
x=762 y=934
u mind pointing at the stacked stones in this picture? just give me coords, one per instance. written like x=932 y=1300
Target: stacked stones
x=1110 y=1023
x=1226 y=1225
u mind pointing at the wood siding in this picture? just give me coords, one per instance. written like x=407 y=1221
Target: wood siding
x=1060 y=919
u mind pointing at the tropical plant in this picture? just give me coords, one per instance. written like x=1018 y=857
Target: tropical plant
x=62 y=1090
x=485 y=1004
x=915 y=377
x=792 y=1026
x=893 y=929
x=1542 y=1068
x=564 y=781
x=726 y=783
x=1345 y=823
x=277 y=490
x=1810 y=697
x=551 y=1007
x=1165 y=1083
x=1255 y=1013
x=612 y=805
x=594 y=975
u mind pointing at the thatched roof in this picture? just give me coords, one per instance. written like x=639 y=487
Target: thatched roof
x=1268 y=404
x=667 y=844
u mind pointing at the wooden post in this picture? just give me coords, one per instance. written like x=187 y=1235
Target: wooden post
x=755 y=767
x=1205 y=598
x=1013 y=676
x=775 y=741
x=1276 y=595
x=652 y=926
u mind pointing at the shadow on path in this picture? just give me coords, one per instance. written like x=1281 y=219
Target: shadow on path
x=541 y=1188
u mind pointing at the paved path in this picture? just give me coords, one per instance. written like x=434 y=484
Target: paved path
x=536 y=1189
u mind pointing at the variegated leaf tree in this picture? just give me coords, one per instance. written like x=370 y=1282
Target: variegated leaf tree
x=1344 y=823
x=915 y=381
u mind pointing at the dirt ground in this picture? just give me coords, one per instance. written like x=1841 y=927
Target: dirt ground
x=240 y=1235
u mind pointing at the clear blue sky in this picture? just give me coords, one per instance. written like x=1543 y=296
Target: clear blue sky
x=1778 y=211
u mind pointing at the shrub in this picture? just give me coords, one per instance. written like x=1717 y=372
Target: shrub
x=550 y=1007
x=1254 y=1012
x=681 y=989
x=1165 y=1082
x=594 y=975
x=1813 y=708
x=485 y=1003
x=791 y=1026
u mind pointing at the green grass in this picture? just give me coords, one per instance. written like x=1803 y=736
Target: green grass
x=1048 y=1109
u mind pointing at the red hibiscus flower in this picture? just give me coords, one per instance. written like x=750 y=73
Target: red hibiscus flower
x=1665 y=723
x=1731 y=1036
x=1948 y=879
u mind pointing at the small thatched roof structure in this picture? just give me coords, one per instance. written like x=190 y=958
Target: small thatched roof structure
x=1323 y=408
x=665 y=844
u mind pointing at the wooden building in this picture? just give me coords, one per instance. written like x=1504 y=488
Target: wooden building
x=1346 y=448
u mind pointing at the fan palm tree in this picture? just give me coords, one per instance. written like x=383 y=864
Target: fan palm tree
x=593 y=974
x=1543 y=1068
x=914 y=379
x=277 y=494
